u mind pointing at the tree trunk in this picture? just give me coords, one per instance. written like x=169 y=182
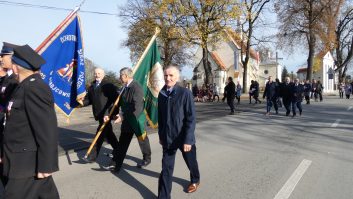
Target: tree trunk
x=206 y=65
x=310 y=60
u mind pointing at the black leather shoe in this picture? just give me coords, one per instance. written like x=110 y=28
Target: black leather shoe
x=143 y=164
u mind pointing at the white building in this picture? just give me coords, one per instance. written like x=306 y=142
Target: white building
x=324 y=73
x=269 y=68
x=225 y=60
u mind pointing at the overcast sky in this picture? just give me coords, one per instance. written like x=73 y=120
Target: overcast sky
x=102 y=34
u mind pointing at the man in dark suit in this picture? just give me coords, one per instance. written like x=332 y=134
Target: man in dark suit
x=176 y=130
x=229 y=94
x=30 y=139
x=101 y=95
x=297 y=91
x=132 y=105
x=271 y=95
x=286 y=93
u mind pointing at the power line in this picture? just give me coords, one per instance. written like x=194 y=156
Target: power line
x=51 y=7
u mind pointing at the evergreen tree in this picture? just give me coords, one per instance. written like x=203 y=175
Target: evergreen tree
x=284 y=74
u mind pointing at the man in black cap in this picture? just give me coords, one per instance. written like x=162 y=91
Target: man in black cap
x=7 y=86
x=30 y=141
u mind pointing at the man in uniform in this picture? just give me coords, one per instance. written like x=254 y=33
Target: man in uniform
x=7 y=86
x=176 y=130
x=132 y=105
x=30 y=141
x=101 y=95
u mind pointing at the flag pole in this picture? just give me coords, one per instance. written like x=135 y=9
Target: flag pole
x=157 y=31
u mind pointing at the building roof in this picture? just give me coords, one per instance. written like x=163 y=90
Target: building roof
x=302 y=70
x=236 y=39
x=218 y=60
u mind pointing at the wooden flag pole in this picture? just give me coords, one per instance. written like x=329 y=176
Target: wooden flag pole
x=157 y=31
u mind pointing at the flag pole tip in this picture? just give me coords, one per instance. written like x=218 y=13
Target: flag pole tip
x=157 y=30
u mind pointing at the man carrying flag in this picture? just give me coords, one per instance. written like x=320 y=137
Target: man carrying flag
x=132 y=118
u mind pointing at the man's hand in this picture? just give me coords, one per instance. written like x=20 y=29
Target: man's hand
x=118 y=119
x=43 y=175
x=106 y=118
x=187 y=147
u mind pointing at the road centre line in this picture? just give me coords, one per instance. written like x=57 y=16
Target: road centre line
x=335 y=124
x=349 y=108
x=292 y=182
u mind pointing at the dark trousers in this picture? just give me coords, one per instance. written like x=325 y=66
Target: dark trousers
x=124 y=142
x=145 y=148
x=168 y=162
x=271 y=102
x=341 y=94
x=286 y=103
x=214 y=97
x=230 y=102
x=31 y=188
x=307 y=99
x=107 y=134
x=295 y=105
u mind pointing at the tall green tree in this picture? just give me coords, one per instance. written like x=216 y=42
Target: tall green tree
x=284 y=74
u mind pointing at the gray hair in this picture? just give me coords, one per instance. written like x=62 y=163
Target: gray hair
x=177 y=69
x=126 y=71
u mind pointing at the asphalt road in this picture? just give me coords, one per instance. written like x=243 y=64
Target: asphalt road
x=247 y=155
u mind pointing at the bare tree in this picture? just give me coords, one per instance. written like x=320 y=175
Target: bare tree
x=141 y=17
x=344 y=42
x=251 y=10
x=203 y=22
x=300 y=21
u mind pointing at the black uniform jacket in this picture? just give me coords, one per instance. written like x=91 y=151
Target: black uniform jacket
x=101 y=98
x=8 y=86
x=31 y=133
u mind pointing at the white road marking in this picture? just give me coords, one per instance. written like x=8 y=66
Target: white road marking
x=335 y=124
x=292 y=182
x=93 y=125
x=349 y=108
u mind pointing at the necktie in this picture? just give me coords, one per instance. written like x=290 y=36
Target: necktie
x=168 y=93
x=97 y=84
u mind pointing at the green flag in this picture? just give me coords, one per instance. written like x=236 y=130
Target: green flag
x=149 y=74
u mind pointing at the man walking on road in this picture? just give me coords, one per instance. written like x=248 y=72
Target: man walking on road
x=176 y=130
x=229 y=94
x=132 y=106
x=101 y=95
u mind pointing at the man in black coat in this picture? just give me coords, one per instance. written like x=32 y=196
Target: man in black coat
x=132 y=105
x=31 y=135
x=176 y=130
x=101 y=95
x=271 y=95
x=229 y=94
x=297 y=97
x=286 y=93
x=7 y=86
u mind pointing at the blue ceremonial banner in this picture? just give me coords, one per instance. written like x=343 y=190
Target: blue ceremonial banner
x=64 y=70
